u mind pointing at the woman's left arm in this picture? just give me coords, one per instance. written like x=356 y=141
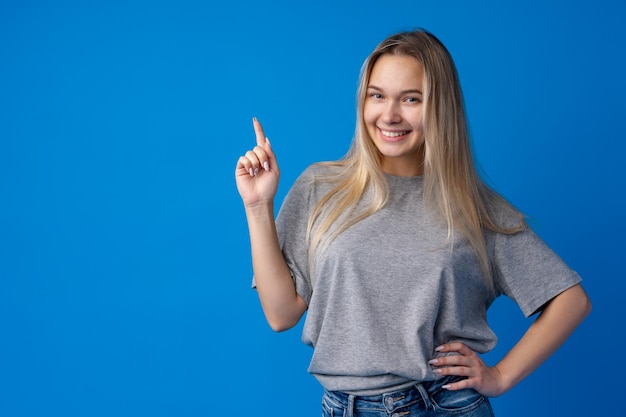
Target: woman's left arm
x=554 y=325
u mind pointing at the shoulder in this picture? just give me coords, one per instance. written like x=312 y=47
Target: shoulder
x=322 y=171
x=320 y=176
x=315 y=181
x=504 y=215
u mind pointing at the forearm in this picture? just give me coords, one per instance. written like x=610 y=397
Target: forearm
x=281 y=304
x=555 y=324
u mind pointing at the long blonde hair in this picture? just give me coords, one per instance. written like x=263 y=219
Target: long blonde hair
x=452 y=185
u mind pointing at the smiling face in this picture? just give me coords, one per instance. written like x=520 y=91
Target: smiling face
x=392 y=112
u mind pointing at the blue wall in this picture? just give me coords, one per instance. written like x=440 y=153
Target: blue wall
x=124 y=259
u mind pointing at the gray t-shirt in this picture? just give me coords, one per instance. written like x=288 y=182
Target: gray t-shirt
x=393 y=286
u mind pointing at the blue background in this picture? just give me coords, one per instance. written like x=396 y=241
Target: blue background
x=124 y=257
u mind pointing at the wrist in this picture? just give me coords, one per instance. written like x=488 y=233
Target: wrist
x=260 y=209
x=505 y=380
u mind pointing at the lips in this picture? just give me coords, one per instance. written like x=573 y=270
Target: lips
x=393 y=135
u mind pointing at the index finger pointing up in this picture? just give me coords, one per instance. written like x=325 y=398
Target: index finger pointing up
x=258 y=130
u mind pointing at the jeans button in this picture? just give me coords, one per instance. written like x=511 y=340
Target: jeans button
x=388 y=402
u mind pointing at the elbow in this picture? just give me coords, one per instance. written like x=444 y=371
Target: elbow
x=280 y=325
x=580 y=304
x=573 y=304
x=586 y=306
x=286 y=315
x=280 y=321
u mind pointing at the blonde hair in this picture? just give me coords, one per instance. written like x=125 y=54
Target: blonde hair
x=452 y=185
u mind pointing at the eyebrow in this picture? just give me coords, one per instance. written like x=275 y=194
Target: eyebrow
x=414 y=90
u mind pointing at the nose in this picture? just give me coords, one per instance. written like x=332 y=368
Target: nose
x=392 y=112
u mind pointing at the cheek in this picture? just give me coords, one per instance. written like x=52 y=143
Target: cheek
x=369 y=115
x=417 y=121
x=370 y=119
x=367 y=120
x=419 y=126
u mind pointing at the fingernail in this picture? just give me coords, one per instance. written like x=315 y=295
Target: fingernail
x=437 y=371
x=256 y=171
x=251 y=172
x=433 y=361
x=438 y=348
x=447 y=386
x=266 y=165
x=254 y=119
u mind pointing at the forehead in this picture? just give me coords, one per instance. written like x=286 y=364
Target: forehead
x=397 y=71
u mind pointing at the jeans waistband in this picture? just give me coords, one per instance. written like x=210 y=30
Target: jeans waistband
x=386 y=402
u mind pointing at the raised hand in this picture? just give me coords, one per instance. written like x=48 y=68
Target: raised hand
x=257 y=172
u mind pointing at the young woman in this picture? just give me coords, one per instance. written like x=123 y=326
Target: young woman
x=397 y=250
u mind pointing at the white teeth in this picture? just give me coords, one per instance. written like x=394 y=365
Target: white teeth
x=394 y=134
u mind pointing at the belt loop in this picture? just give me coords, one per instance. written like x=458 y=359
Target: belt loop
x=351 y=409
x=427 y=402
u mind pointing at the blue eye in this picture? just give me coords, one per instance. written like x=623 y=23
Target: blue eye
x=376 y=95
x=412 y=100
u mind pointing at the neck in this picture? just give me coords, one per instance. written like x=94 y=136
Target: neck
x=402 y=168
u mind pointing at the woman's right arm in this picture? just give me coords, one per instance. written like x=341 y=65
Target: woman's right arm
x=257 y=176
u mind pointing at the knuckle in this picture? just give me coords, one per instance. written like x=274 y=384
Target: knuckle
x=442 y=371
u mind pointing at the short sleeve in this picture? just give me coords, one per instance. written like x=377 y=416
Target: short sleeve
x=530 y=272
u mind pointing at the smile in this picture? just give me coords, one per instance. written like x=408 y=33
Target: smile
x=395 y=134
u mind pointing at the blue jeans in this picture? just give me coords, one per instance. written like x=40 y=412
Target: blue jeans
x=427 y=399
